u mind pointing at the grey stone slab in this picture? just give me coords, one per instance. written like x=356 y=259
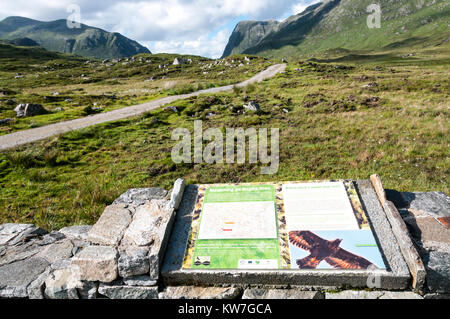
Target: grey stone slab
x=140 y=281
x=76 y=232
x=128 y=292
x=396 y=277
x=141 y=196
x=61 y=284
x=109 y=229
x=349 y=294
x=191 y=292
x=16 y=277
x=20 y=252
x=437 y=296
x=36 y=288
x=96 y=263
x=254 y=293
x=57 y=251
x=436 y=204
x=10 y=231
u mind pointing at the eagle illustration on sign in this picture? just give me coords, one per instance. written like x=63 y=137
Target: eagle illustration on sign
x=325 y=250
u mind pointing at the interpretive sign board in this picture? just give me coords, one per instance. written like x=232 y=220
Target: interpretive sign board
x=273 y=226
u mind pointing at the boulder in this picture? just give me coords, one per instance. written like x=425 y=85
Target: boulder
x=26 y=110
x=252 y=106
x=96 y=263
x=110 y=227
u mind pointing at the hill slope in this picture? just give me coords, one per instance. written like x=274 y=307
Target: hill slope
x=341 y=24
x=85 y=41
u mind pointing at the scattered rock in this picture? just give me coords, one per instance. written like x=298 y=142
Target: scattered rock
x=281 y=294
x=179 y=61
x=97 y=263
x=191 y=292
x=26 y=110
x=128 y=292
x=252 y=106
x=110 y=227
x=171 y=108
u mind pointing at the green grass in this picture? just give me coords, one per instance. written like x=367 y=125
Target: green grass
x=337 y=127
x=83 y=83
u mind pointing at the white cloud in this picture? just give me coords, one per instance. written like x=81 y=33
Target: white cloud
x=181 y=26
x=301 y=6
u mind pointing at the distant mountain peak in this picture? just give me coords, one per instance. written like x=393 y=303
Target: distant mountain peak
x=333 y=24
x=56 y=36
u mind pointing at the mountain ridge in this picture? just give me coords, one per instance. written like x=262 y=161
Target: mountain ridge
x=341 y=24
x=85 y=41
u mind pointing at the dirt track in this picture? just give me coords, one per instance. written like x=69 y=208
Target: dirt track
x=40 y=133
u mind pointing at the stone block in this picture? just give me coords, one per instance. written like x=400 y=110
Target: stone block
x=350 y=294
x=140 y=281
x=281 y=294
x=128 y=292
x=140 y=196
x=436 y=204
x=16 y=277
x=96 y=263
x=109 y=229
x=133 y=262
x=57 y=251
x=76 y=232
x=191 y=292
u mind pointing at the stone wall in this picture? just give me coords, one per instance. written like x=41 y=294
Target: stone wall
x=120 y=257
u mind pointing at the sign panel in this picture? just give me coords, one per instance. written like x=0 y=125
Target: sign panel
x=296 y=225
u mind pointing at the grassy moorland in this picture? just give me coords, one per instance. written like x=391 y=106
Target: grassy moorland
x=70 y=87
x=347 y=117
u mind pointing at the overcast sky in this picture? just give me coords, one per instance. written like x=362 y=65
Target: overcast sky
x=200 y=27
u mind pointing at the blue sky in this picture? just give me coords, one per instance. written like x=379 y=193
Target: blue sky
x=200 y=27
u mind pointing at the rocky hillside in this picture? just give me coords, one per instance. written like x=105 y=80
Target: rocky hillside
x=341 y=24
x=56 y=36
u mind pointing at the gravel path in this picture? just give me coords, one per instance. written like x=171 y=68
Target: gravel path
x=40 y=133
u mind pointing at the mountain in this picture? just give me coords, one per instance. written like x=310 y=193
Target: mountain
x=342 y=25
x=56 y=36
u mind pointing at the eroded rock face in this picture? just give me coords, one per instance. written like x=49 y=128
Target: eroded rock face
x=96 y=263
